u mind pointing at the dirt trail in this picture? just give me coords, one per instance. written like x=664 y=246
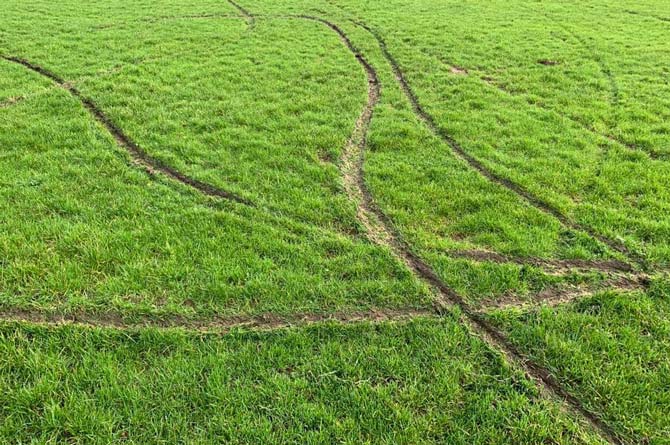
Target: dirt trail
x=555 y=266
x=220 y=325
x=563 y=295
x=378 y=225
x=149 y=163
x=490 y=81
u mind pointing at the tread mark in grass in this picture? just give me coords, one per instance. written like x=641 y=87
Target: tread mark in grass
x=150 y=163
x=373 y=218
x=220 y=325
x=251 y=21
x=477 y=165
x=11 y=101
x=604 y=68
x=488 y=80
x=382 y=232
x=559 y=266
x=553 y=297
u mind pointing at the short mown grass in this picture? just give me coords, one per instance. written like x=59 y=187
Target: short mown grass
x=566 y=99
x=422 y=382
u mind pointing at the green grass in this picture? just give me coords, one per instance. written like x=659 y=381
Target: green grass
x=86 y=230
x=567 y=99
x=542 y=147
x=612 y=350
x=424 y=382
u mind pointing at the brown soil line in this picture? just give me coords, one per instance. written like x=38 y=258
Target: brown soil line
x=558 y=296
x=475 y=164
x=220 y=325
x=382 y=232
x=11 y=101
x=251 y=20
x=559 y=266
x=136 y=152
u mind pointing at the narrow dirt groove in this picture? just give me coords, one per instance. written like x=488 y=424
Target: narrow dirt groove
x=222 y=325
x=556 y=297
x=141 y=157
x=563 y=266
x=533 y=200
x=382 y=232
x=11 y=101
x=251 y=20
x=377 y=222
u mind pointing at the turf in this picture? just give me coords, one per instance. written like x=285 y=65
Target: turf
x=423 y=382
x=613 y=348
x=87 y=231
x=515 y=151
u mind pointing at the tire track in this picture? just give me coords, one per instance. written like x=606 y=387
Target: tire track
x=488 y=80
x=604 y=68
x=553 y=297
x=477 y=165
x=220 y=325
x=558 y=266
x=251 y=20
x=377 y=223
x=141 y=157
x=381 y=231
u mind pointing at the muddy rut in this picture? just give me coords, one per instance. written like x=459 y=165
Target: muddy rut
x=219 y=325
x=141 y=157
x=475 y=164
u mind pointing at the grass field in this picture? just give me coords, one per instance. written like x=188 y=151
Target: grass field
x=335 y=221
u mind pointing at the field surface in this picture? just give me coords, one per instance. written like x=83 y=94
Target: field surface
x=335 y=221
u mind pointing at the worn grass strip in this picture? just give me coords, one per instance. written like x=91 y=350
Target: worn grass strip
x=490 y=81
x=550 y=265
x=219 y=325
x=557 y=296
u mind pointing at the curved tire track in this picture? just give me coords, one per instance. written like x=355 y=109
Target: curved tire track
x=553 y=297
x=375 y=220
x=140 y=156
x=382 y=232
x=477 y=165
x=221 y=325
x=559 y=266
x=488 y=80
